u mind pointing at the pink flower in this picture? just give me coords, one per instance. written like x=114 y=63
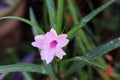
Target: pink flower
x=51 y=45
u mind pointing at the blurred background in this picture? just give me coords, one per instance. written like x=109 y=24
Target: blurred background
x=16 y=36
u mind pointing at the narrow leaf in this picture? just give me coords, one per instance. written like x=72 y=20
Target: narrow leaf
x=103 y=49
x=74 y=12
x=26 y=21
x=93 y=62
x=50 y=71
x=22 y=67
x=59 y=16
x=27 y=76
x=32 y=18
x=51 y=11
x=87 y=18
x=93 y=55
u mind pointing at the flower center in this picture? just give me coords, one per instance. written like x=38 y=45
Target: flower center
x=53 y=44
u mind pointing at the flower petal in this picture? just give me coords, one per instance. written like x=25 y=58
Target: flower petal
x=62 y=40
x=60 y=53
x=47 y=55
x=39 y=37
x=53 y=31
x=50 y=36
x=39 y=44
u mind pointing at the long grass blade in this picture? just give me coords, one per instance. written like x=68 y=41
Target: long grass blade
x=87 y=18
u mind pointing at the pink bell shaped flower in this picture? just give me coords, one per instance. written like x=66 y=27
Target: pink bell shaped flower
x=51 y=45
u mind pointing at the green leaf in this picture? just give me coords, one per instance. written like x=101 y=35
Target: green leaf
x=22 y=67
x=51 y=11
x=74 y=12
x=27 y=76
x=59 y=16
x=87 y=18
x=50 y=71
x=26 y=21
x=32 y=18
x=82 y=61
x=103 y=49
x=93 y=55
x=93 y=62
x=83 y=75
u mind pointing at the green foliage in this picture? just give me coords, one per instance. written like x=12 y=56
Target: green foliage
x=26 y=21
x=87 y=18
x=84 y=51
x=52 y=12
x=93 y=55
x=22 y=67
x=59 y=16
x=32 y=18
x=27 y=76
